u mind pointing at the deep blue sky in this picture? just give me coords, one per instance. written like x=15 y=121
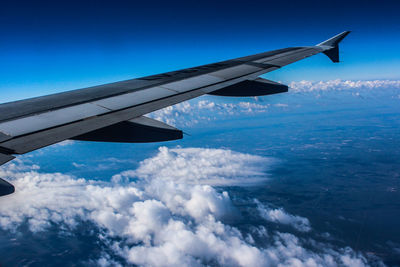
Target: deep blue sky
x=52 y=46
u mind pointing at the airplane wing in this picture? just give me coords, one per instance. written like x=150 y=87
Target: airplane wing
x=115 y=112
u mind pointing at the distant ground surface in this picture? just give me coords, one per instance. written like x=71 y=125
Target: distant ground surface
x=311 y=176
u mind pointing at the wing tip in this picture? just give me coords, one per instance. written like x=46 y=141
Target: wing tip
x=335 y=40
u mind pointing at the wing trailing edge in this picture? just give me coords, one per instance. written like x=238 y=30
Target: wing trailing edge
x=257 y=87
x=4 y=158
x=138 y=130
x=4 y=137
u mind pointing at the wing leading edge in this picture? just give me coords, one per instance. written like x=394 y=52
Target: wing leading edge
x=103 y=113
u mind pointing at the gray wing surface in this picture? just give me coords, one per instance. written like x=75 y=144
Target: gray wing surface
x=115 y=112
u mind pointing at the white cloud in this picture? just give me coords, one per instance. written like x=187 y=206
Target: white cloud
x=78 y=165
x=279 y=215
x=162 y=215
x=206 y=108
x=281 y=105
x=203 y=166
x=308 y=86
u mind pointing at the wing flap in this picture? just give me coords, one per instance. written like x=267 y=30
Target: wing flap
x=4 y=137
x=4 y=158
x=257 y=87
x=138 y=130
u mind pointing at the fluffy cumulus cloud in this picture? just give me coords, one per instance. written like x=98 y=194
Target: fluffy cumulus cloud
x=165 y=214
x=279 y=215
x=202 y=166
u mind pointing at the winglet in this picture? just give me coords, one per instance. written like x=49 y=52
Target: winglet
x=331 y=46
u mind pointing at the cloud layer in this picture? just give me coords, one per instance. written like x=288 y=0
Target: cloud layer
x=208 y=108
x=309 y=86
x=164 y=214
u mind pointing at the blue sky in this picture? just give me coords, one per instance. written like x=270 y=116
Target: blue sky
x=49 y=46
